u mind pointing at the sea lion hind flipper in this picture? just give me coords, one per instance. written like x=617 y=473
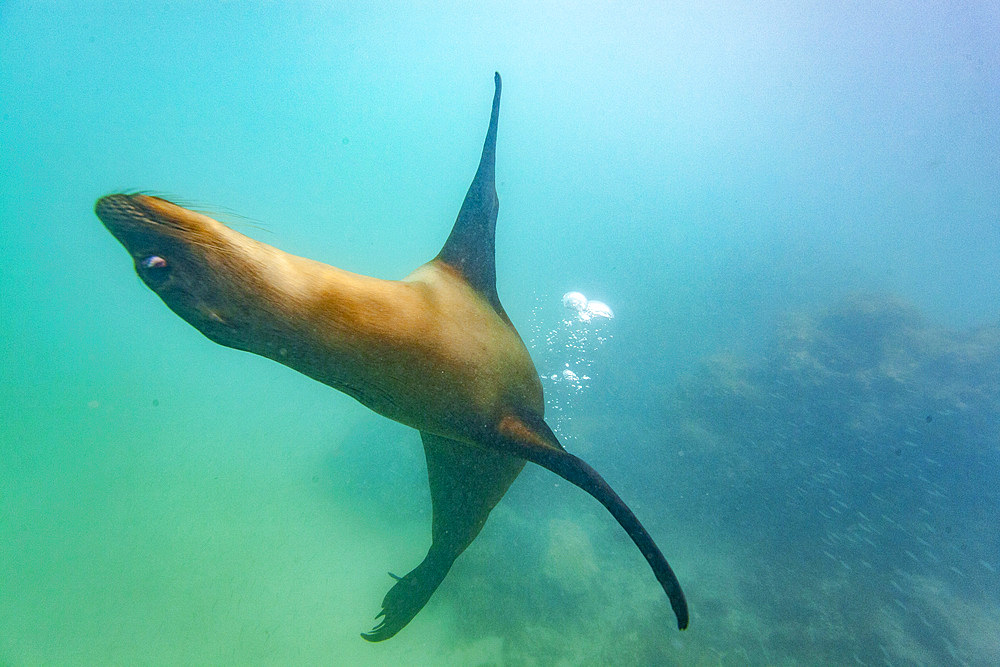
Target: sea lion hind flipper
x=466 y=484
x=470 y=248
x=532 y=439
x=407 y=597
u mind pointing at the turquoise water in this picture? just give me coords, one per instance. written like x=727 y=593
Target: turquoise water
x=792 y=210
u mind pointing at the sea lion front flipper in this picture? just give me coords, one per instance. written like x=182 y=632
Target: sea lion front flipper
x=471 y=249
x=466 y=483
x=532 y=439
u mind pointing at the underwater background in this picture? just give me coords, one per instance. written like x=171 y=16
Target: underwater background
x=792 y=209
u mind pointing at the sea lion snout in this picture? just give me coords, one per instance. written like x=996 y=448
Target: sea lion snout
x=118 y=213
x=135 y=218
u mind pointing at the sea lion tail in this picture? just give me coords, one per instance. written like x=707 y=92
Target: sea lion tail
x=533 y=440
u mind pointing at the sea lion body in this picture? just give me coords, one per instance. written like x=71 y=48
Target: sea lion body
x=435 y=351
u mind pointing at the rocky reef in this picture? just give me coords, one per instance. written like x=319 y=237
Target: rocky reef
x=830 y=500
x=860 y=457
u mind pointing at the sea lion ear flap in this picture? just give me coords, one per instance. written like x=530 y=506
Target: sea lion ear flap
x=470 y=249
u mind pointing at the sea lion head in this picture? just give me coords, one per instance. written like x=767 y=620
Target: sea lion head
x=208 y=274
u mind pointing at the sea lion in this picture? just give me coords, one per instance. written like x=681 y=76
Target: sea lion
x=434 y=351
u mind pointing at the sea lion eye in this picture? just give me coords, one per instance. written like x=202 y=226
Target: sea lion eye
x=154 y=270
